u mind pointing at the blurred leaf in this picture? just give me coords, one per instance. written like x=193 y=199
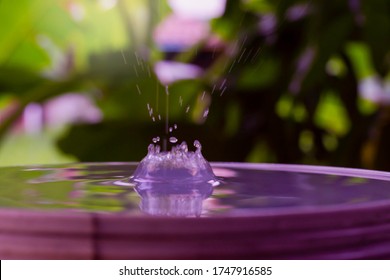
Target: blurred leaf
x=260 y=6
x=261 y=153
x=230 y=25
x=360 y=56
x=19 y=30
x=329 y=41
x=336 y=66
x=108 y=141
x=259 y=75
x=367 y=107
x=331 y=115
x=284 y=106
x=18 y=80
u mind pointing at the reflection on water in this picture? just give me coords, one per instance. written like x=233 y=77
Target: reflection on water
x=174 y=201
x=105 y=188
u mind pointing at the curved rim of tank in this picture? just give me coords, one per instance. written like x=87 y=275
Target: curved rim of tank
x=314 y=169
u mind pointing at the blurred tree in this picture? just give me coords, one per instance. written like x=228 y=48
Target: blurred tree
x=292 y=81
x=300 y=87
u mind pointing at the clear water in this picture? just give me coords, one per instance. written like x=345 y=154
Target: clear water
x=243 y=190
x=174 y=183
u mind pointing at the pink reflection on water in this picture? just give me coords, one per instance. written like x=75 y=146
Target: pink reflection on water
x=224 y=172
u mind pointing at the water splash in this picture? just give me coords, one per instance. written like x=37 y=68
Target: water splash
x=163 y=177
x=174 y=166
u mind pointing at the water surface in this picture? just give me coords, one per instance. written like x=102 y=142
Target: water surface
x=105 y=187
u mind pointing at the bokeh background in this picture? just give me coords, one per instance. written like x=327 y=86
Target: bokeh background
x=279 y=81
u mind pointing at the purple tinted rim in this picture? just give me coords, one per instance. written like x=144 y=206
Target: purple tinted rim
x=313 y=169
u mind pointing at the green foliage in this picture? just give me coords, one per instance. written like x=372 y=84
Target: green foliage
x=283 y=88
x=299 y=98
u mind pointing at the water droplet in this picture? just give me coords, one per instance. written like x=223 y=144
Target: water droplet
x=135 y=70
x=197 y=145
x=159 y=117
x=231 y=67
x=142 y=65
x=149 y=73
x=151 y=148
x=241 y=55
x=175 y=126
x=137 y=58
x=156 y=139
x=183 y=147
x=181 y=101
x=123 y=56
x=153 y=119
x=213 y=88
x=222 y=84
x=139 y=91
x=222 y=92
x=205 y=113
x=173 y=140
x=256 y=54
x=170 y=129
x=248 y=55
x=243 y=42
x=187 y=109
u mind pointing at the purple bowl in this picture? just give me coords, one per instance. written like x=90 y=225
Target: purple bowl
x=258 y=211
